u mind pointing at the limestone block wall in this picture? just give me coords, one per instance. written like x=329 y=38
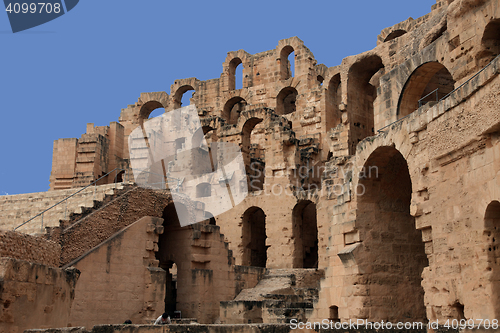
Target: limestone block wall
x=33 y=249
x=424 y=212
x=16 y=209
x=451 y=153
x=205 y=270
x=34 y=295
x=363 y=94
x=120 y=278
x=79 y=162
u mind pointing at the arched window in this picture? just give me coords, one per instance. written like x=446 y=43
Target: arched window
x=285 y=101
x=393 y=253
x=157 y=112
x=363 y=81
x=490 y=43
x=254 y=238
x=333 y=99
x=232 y=109
x=305 y=234
x=253 y=156
x=427 y=84
x=395 y=34
x=203 y=190
x=210 y=217
x=235 y=74
x=287 y=62
x=334 y=313
x=151 y=109
x=181 y=98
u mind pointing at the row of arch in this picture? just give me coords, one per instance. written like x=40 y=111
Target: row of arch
x=175 y=240
x=393 y=254
x=428 y=83
x=236 y=67
x=305 y=236
x=285 y=104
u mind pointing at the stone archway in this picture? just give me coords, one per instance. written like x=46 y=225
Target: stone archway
x=170 y=245
x=391 y=255
x=254 y=238
x=427 y=84
x=492 y=237
x=305 y=234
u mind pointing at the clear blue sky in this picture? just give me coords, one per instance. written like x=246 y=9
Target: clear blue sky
x=88 y=64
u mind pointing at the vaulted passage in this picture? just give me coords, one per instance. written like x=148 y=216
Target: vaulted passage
x=232 y=109
x=392 y=250
x=173 y=238
x=492 y=235
x=305 y=234
x=333 y=99
x=285 y=101
x=254 y=238
x=427 y=84
x=253 y=155
x=490 y=43
x=363 y=81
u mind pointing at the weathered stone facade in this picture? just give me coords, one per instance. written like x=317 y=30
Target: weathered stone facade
x=382 y=172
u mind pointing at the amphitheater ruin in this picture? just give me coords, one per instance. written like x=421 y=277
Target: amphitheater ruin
x=373 y=194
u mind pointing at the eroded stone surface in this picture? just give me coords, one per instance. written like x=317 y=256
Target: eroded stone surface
x=363 y=170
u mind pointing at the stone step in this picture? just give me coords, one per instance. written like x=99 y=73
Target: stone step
x=17 y=209
x=281 y=295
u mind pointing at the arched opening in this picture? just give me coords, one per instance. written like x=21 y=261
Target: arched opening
x=235 y=74
x=168 y=254
x=202 y=140
x=210 y=217
x=435 y=34
x=320 y=79
x=492 y=235
x=285 y=101
x=232 y=109
x=253 y=155
x=490 y=43
x=305 y=234
x=333 y=98
x=181 y=98
x=334 y=313
x=392 y=252
x=151 y=109
x=427 y=84
x=363 y=81
x=395 y=34
x=157 y=113
x=203 y=190
x=254 y=238
x=119 y=176
x=287 y=62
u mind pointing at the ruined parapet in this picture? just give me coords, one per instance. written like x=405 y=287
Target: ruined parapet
x=35 y=295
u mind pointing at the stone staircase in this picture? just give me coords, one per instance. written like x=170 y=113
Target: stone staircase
x=16 y=209
x=281 y=295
